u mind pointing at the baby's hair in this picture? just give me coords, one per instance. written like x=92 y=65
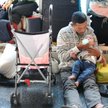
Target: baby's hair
x=89 y=37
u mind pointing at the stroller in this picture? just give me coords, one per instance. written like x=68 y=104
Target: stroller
x=33 y=52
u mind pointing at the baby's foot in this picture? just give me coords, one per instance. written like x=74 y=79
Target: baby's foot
x=77 y=83
x=72 y=77
x=99 y=105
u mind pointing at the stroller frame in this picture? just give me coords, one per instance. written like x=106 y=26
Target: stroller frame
x=46 y=79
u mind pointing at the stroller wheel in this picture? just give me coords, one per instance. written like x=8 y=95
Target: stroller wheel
x=15 y=99
x=48 y=99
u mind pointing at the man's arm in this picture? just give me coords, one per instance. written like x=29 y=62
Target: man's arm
x=65 y=45
x=96 y=51
x=67 y=50
x=62 y=49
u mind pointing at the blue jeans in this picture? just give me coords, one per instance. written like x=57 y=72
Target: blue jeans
x=71 y=95
x=82 y=69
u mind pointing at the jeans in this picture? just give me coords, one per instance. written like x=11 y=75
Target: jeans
x=71 y=95
x=82 y=69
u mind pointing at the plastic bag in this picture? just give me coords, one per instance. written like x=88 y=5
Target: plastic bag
x=55 y=68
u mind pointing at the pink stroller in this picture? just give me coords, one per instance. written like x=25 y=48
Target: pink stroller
x=33 y=52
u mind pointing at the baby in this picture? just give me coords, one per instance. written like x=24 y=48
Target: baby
x=85 y=65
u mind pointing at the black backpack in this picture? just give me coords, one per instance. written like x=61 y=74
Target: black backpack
x=103 y=88
x=5 y=31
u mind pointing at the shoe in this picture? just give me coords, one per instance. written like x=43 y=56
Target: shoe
x=105 y=106
x=99 y=105
x=66 y=106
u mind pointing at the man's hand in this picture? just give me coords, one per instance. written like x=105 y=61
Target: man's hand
x=94 y=52
x=80 y=46
x=73 y=55
x=103 y=61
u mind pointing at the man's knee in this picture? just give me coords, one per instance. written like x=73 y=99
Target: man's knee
x=90 y=83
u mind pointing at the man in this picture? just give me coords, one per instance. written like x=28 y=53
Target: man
x=68 y=40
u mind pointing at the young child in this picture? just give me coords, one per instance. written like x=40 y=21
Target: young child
x=85 y=65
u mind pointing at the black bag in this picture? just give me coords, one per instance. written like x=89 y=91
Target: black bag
x=5 y=31
x=3 y=14
x=103 y=88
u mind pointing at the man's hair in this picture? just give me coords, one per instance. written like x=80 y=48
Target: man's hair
x=78 y=17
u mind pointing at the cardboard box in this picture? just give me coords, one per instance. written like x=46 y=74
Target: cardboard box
x=105 y=51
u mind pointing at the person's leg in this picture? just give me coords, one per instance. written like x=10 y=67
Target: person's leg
x=87 y=70
x=76 y=67
x=22 y=8
x=91 y=93
x=71 y=94
x=19 y=10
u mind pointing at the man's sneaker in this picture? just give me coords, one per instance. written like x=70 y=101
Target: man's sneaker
x=66 y=106
x=105 y=106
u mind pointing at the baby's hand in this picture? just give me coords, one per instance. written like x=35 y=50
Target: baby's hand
x=103 y=61
x=73 y=55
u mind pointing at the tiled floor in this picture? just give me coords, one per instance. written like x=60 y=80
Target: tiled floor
x=33 y=96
